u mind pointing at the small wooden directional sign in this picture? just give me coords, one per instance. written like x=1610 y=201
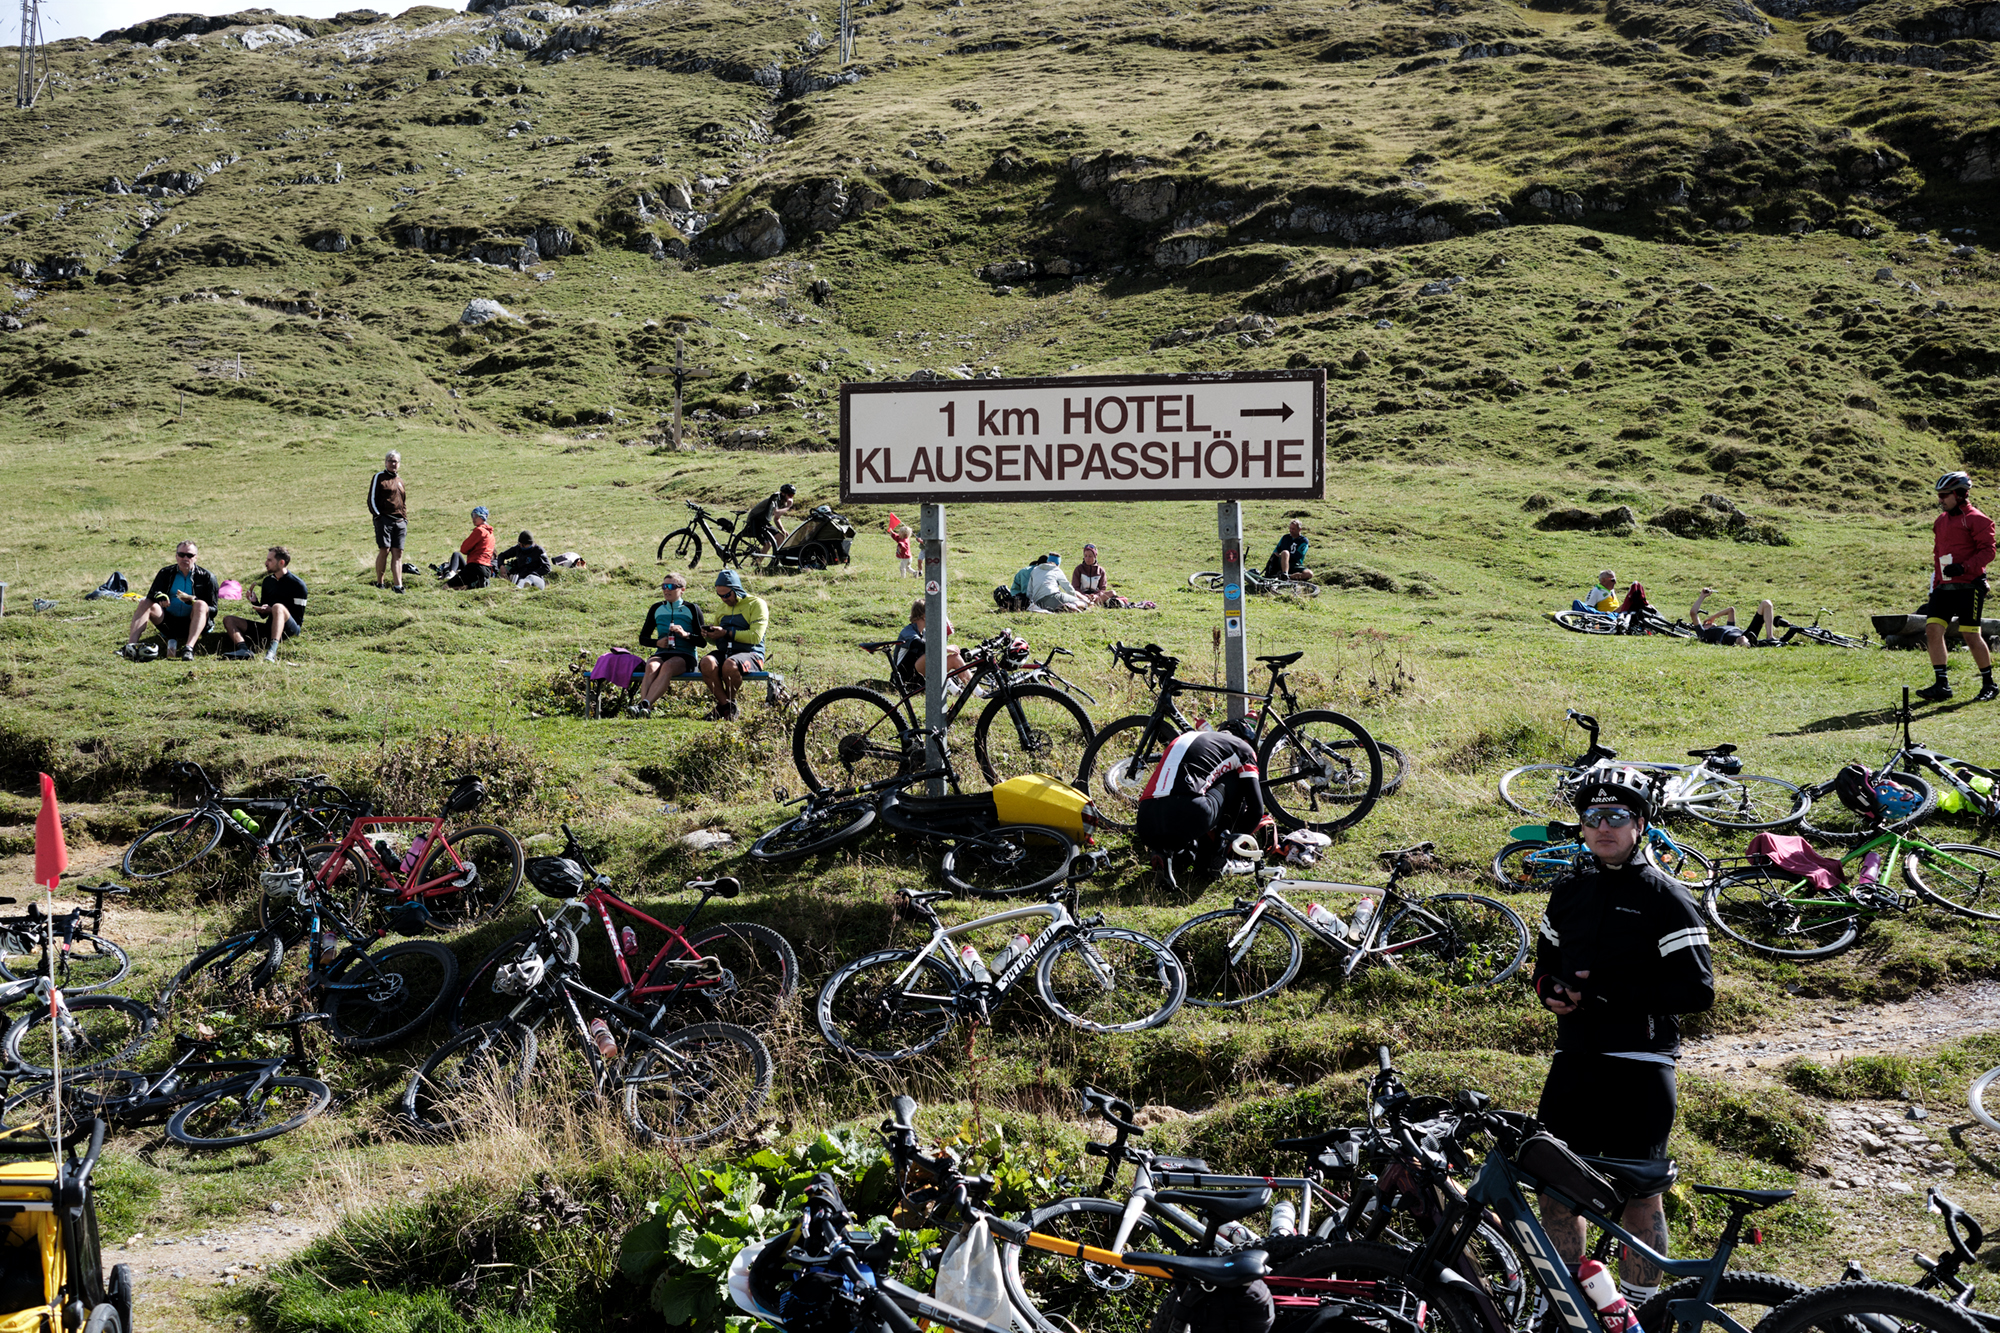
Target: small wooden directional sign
x=682 y=373
x=1237 y=435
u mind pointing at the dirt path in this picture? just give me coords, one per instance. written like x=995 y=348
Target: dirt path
x=1834 y=1031
x=175 y=1275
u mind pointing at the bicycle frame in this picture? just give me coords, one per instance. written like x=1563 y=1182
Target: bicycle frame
x=602 y=901
x=1498 y=1187
x=403 y=889
x=1061 y=926
x=1271 y=899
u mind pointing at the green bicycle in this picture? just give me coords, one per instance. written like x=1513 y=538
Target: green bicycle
x=1785 y=915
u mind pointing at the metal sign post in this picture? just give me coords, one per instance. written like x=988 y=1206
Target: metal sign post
x=935 y=654
x=1235 y=646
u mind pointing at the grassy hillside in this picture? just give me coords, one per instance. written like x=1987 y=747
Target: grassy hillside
x=1604 y=257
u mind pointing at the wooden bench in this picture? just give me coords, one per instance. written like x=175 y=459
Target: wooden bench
x=598 y=692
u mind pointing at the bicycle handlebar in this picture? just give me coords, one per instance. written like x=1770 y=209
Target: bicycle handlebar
x=1956 y=1217
x=1116 y=1110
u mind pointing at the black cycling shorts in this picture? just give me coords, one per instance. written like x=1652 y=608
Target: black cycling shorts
x=1963 y=602
x=1609 y=1106
x=1180 y=820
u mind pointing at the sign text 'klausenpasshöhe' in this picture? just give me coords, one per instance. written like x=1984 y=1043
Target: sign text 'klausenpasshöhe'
x=1248 y=435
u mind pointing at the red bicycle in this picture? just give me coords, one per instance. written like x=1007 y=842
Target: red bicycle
x=737 y=972
x=445 y=880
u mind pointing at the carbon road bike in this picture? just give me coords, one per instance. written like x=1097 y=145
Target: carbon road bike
x=686 y=543
x=853 y=735
x=898 y=1003
x=1714 y=790
x=314 y=808
x=85 y=960
x=736 y=972
x=1209 y=580
x=1645 y=620
x=1321 y=769
x=1252 y=950
x=676 y=1088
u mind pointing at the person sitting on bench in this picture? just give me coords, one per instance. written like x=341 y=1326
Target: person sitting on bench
x=673 y=629
x=738 y=638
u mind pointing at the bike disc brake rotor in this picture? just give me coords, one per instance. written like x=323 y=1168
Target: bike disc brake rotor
x=1109 y=1279
x=382 y=988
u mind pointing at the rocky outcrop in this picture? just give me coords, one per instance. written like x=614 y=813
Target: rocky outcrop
x=760 y=235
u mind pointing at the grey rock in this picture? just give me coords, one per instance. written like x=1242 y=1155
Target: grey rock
x=912 y=188
x=1146 y=199
x=761 y=234
x=1885 y=274
x=1181 y=251
x=1385 y=324
x=676 y=197
x=484 y=310
x=1008 y=270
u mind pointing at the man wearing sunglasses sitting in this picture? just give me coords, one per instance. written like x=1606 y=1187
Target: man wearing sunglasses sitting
x=1623 y=953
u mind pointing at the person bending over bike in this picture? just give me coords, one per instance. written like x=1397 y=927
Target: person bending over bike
x=1204 y=792
x=739 y=643
x=1623 y=953
x=1961 y=548
x=674 y=631
x=1288 y=557
x=761 y=523
x=1720 y=628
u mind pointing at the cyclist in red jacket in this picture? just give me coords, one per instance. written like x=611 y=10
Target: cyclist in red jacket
x=1962 y=547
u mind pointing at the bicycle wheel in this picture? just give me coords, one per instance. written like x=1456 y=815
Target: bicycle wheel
x=90 y=963
x=686 y=544
x=820 y=829
x=1586 y=622
x=1535 y=867
x=1879 y=1307
x=1225 y=972
x=697 y=1084
x=1459 y=939
x=1049 y=735
x=1540 y=790
x=466 y=1080
x=373 y=999
x=226 y=974
x=175 y=843
x=1206 y=580
x=1115 y=767
x=99 y=1093
x=1829 y=820
x=1780 y=917
x=1680 y=861
x=1390 y=1284
x=1321 y=770
x=477 y=1002
x=1744 y=802
x=1109 y=979
x=760 y=973
x=848 y=737
x=1020 y=858
x=1747 y=1297
x=346 y=884
x=233 y=1115
x=864 y=1011
x=1975 y=1097
x=1395 y=767
x=98 y=1032
x=495 y=859
x=1956 y=876
x=1062 y=1292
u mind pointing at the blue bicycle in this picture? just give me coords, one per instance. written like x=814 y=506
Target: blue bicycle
x=1543 y=855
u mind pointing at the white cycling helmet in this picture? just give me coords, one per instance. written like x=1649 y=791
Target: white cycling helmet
x=742 y=1290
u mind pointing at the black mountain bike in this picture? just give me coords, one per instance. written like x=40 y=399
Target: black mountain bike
x=84 y=960
x=1321 y=769
x=685 y=543
x=852 y=735
x=284 y=825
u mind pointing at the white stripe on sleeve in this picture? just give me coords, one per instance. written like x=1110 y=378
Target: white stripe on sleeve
x=1684 y=939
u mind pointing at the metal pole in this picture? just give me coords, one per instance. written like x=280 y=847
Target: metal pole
x=1235 y=647
x=932 y=532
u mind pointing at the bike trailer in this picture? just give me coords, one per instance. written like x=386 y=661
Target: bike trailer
x=821 y=538
x=1036 y=798
x=51 y=1267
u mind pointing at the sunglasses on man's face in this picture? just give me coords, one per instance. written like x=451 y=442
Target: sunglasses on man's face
x=1613 y=816
x=183 y=555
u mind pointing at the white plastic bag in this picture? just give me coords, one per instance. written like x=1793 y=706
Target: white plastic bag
x=969 y=1276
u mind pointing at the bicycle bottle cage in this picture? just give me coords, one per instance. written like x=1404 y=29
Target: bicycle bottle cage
x=283 y=885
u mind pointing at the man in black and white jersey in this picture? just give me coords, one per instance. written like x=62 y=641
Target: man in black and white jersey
x=1204 y=791
x=1623 y=953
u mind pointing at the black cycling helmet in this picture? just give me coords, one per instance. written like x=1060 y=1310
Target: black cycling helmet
x=1243 y=729
x=1954 y=481
x=1620 y=785
x=788 y=489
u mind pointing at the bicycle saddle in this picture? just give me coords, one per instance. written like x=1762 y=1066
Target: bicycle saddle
x=1230 y=1270
x=8 y=902
x=106 y=889
x=876 y=645
x=1314 y=1142
x=1755 y=1198
x=1181 y=1164
x=1716 y=750
x=1282 y=659
x=15 y=990
x=930 y=896
x=1637 y=1179
x=1220 y=1207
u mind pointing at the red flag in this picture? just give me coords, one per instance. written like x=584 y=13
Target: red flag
x=51 y=855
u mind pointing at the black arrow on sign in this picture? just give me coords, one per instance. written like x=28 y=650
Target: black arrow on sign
x=1282 y=413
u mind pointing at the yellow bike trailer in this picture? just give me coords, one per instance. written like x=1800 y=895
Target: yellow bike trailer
x=51 y=1270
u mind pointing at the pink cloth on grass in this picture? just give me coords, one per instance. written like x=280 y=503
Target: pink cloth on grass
x=1796 y=855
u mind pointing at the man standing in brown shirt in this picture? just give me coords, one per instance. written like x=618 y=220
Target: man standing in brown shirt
x=389 y=507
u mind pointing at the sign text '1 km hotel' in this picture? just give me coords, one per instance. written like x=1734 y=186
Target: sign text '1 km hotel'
x=1250 y=435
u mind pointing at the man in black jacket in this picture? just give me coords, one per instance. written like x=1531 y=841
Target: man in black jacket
x=180 y=602
x=1623 y=952
x=1204 y=792
x=281 y=604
